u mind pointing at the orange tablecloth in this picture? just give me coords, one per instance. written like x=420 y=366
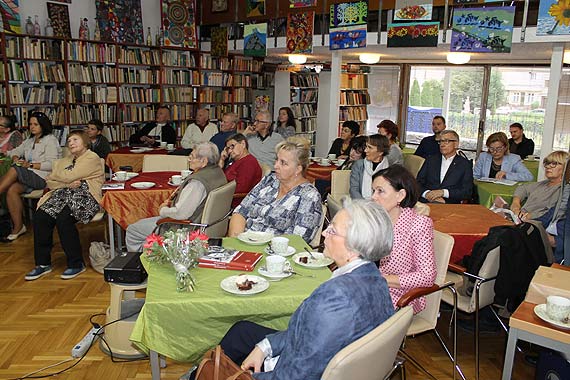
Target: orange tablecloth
x=129 y=205
x=316 y=171
x=466 y=223
x=124 y=156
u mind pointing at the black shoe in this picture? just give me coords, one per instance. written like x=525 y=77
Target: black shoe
x=484 y=327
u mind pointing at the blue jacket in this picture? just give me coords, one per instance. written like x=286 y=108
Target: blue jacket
x=512 y=165
x=336 y=314
x=458 y=180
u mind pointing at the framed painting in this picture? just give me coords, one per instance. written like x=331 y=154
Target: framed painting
x=219 y=6
x=347 y=25
x=10 y=16
x=179 y=23
x=255 y=40
x=300 y=32
x=120 y=20
x=59 y=16
x=553 y=18
x=413 y=34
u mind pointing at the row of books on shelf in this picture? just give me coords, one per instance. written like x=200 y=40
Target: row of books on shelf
x=234 y=63
x=210 y=95
x=216 y=79
x=36 y=71
x=356 y=97
x=92 y=52
x=36 y=94
x=303 y=110
x=353 y=113
x=242 y=95
x=135 y=113
x=139 y=95
x=304 y=95
x=178 y=58
x=246 y=64
x=242 y=110
x=214 y=63
x=55 y=114
x=2 y=96
x=2 y=71
x=182 y=111
x=179 y=77
x=81 y=114
x=139 y=56
x=90 y=73
x=354 y=81
x=135 y=75
x=311 y=80
x=31 y=48
x=180 y=94
x=306 y=125
x=119 y=132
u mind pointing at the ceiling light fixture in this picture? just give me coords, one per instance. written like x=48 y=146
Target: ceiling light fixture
x=297 y=59
x=369 y=58
x=566 y=57
x=458 y=58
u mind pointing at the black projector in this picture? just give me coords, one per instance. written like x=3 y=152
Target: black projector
x=126 y=268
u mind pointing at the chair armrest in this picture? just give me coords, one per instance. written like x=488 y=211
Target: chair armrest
x=240 y=195
x=456 y=268
x=478 y=278
x=421 y=292
x=173 y=221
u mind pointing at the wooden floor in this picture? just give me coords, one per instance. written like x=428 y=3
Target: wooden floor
x=41 y=320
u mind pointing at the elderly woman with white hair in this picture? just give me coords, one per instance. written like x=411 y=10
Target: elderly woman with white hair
x=187 y=201
x=284 y=202
x=354 y=301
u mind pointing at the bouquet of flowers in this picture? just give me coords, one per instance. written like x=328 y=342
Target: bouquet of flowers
x=182 y=248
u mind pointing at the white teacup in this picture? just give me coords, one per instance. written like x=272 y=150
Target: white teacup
x=557 y=308
x=170 y=146
x=121 y=176
x=325 y=161
x=280 y=245
x=185 y=173
x=340 y=161
x=275 y=264
x=176 y=179
x=332 y=156
x=163 y=144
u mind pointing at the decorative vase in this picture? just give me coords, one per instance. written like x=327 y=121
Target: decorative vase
x=37 y=27
x=97 y=32
x=83 y=29
x=29 y=26
x=185 y=282
x=49 y=28
x=148 y=37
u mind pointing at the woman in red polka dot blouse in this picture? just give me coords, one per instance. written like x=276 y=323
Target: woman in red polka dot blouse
x=412 y=262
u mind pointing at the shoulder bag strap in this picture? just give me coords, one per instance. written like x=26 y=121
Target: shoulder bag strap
x=217 y=362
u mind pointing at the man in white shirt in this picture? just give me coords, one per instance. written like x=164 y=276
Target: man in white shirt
x=446 y=177
x=262 y=139
x=199 y=131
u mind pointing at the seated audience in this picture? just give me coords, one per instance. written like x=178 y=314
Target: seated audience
x=412 y=262
x=341 y=146
x=428 y=146
x=377 y=147
x=243 y=167
x=284 y=202
x=97 y=142
x=187 y=201
x=446 y=177
x=346 y=307
x=201 y=130
x=519 y=143
x=357 y=147
x=32 y=162
x=389 y=129
x=499 y=163
x=75 y=192
x=156 y=131
x=286 y=125
x=10 y=137
x=228 y=128
x=262 y=139
x=539 y=197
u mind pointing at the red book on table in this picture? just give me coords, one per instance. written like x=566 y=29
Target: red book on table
x=240 y=260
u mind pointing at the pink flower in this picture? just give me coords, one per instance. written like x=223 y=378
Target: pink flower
x=153 y=238
x=196 y=234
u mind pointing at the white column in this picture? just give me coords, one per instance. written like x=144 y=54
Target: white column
x=328 y=105
x=282 y=89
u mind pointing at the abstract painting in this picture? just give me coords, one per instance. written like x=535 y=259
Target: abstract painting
x=219 y=6
x=255 y=40
x=255 y=8
x=59 y=16
x=302 y=3
x=484 y=30
x=300 y=32
x=219 y=42
x=179 y=23
x=553 y=18
x=413 y=34
x=410 y=10
x=120 y=20
x=10 y=16
x=348 y=25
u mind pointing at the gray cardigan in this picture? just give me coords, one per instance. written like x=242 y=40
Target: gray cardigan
x=43 y=152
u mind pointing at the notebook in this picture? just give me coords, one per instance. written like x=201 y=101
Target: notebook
x=231 y=260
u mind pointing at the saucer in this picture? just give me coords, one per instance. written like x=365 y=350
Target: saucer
x=290 y=251
x=130 y=175
x=255 y=237
x=173 y=184
x=329 y=164
x=540 y=311
x=274 y=276
x=143 y=185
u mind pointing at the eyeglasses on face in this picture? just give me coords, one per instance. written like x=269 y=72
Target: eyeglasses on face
x=230 y=147
x=551 y=164
x=497 y=149
x=260 y=121
x=332 y=232
x=445 y=141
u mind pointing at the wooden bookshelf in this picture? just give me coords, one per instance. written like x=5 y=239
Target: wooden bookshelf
x=354 y=99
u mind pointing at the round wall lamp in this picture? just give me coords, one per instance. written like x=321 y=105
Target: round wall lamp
x=297 y=59
x=458 y=58
x=369 y=58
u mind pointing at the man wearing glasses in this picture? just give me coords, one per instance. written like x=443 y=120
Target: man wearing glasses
x=446 y=177
x=262 y=139
x=428 y=146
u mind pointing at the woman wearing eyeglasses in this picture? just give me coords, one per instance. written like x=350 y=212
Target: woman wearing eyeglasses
x=341 y=146
x=32 y=162
x=10 y=137
x=539 y=197
x=499 y=163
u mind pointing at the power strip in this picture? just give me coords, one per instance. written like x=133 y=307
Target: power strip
x=82 y=347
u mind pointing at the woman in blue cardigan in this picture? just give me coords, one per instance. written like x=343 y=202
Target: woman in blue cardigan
x=499 y=163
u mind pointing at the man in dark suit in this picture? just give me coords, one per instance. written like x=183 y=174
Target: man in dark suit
x=446 y=177
x=156 y=131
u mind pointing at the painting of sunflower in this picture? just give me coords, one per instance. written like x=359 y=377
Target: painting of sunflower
x=553 y=18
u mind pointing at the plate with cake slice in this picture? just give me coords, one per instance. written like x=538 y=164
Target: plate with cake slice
x=244 y=284
x=314 y=260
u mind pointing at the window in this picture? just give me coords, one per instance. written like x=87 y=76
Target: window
x=383 y=87
x=515 y=98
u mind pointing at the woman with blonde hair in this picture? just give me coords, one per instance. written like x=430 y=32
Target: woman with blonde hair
x=284 y=202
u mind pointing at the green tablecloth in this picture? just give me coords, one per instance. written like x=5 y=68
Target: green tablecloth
x=182 y=326
x=532 y=166
x=406 y=151
x=489 y=191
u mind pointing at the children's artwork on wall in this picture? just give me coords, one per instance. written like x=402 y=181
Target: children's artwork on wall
x=219 y=42
x=300 y=32
x=413 y=34
x=179 y=23
x=553 y=18
x=255 y=40
x=347 y=26
x=484 y=30
x=10 y=16
x=302 y=3
x=219 y=6
x=262 y=103
x=409 y=10
x=120 y=20
x=255 y=8
x=59 y=16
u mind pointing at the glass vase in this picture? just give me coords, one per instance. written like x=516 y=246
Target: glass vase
x=185 y=282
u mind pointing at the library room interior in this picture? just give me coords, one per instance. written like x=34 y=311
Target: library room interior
x=284 y=189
